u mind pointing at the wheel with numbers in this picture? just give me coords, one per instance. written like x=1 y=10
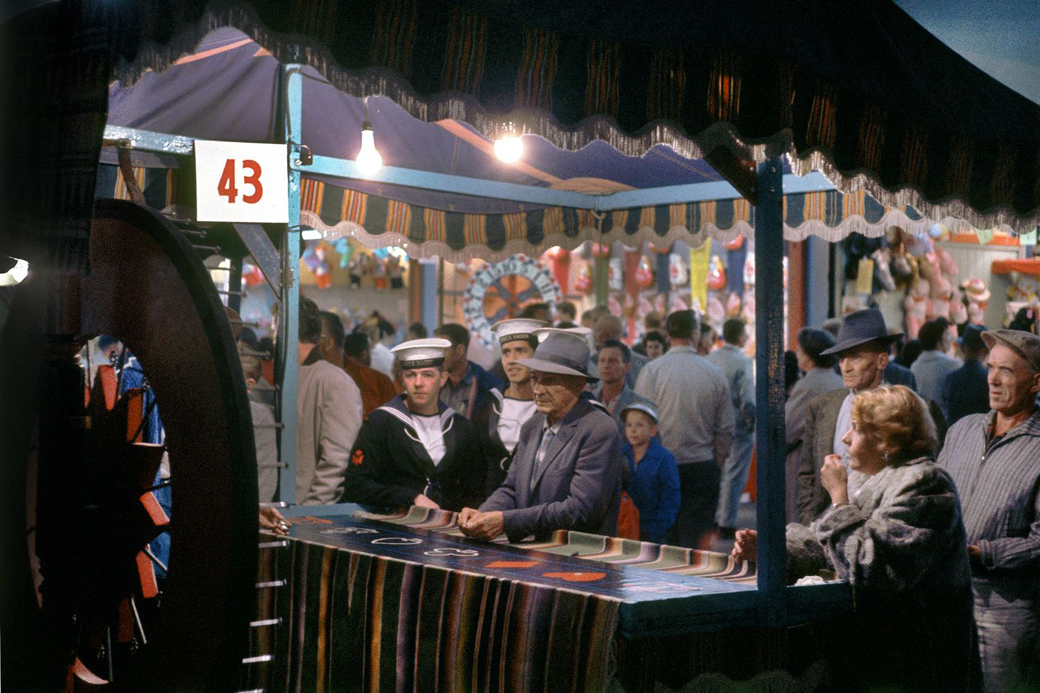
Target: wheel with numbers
x=78 y=611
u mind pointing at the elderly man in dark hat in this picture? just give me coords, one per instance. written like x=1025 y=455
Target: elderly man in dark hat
x=965 y=391
x=819 y=379
x=566 y=471
x=862 y=348
x=993 y=459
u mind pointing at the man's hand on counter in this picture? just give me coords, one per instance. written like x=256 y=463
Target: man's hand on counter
x=478 y=525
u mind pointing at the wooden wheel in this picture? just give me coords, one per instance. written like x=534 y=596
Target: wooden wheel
x=69 y=550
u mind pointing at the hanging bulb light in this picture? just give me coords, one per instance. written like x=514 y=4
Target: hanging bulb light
x=509 y=148
x=368 y=159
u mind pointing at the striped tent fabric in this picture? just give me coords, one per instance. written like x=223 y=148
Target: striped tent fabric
x=592 y=547
x=358 y=622
x=454 y=235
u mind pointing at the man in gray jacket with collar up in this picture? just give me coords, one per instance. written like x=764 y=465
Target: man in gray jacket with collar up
x=566 y=473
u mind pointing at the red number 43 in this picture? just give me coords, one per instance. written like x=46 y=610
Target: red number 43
x=226 y=184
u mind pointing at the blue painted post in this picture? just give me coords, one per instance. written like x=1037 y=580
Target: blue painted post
x=428 y=308
x=288 y=318
x=769 y=396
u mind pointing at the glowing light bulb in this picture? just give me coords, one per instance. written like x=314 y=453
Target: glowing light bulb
x=509 y=148
x=368 y=159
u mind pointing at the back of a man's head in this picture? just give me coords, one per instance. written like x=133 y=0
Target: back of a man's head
x=733 y=331
x=932 y=333
x=683 y=324
x=607 y=327
x=454 y=333
x=310 y=322
x=332 y=327
x=417 y=330
x=566 y=311
x=355 y=345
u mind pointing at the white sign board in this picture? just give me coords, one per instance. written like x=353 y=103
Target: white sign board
x=241 y=181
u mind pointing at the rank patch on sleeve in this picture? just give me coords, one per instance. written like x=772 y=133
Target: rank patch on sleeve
x=358 y=457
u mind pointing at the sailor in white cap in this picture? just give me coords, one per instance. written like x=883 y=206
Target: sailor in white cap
x=416 y=450
x=566 y=471
x=501 y=416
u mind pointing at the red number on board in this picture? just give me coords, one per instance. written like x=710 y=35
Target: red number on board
x=253 y=180
x=226 y=184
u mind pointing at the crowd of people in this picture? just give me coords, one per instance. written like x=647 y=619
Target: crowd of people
x=916 y=479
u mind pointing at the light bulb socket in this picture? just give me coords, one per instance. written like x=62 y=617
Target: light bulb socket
x=366 y=125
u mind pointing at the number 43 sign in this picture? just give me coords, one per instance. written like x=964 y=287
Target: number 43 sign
x=241 y=181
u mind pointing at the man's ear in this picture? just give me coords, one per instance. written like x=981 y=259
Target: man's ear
x=443 y=378
x=250 y=382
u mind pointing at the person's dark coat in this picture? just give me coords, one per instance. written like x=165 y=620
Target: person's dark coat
x=389 y=466
x=578 y=486
x=966 y=391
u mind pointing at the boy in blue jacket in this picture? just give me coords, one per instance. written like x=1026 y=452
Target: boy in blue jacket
x=653 y=478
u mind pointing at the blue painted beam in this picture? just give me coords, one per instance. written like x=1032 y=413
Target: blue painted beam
x=770 y=438
x=813 y=182
x=442 y=182
x=148 y=141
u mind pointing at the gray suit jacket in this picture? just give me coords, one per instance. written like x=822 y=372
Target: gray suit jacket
x=821 y=416
x=579 y=485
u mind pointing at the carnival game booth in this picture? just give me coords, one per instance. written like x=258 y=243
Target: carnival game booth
x=748 y=91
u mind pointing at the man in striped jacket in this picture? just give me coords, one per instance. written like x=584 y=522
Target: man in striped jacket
x=994 y=459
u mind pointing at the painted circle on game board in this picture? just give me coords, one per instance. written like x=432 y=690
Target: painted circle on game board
x=575 y=577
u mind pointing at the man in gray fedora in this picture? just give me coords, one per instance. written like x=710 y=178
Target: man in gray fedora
x=566 y=472
x=862 y=348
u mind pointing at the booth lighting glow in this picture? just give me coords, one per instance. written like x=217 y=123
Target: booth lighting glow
x=368 y=159
x=509 y=148
x=15 y=275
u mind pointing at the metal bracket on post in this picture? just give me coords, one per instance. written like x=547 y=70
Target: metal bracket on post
x=769 y=396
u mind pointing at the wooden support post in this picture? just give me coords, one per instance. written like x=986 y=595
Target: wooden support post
x=769 y=365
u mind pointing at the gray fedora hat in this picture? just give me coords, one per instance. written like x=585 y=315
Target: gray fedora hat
x=563 y=353
x=867 y=325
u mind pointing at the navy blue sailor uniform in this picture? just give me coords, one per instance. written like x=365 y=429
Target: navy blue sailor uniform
x=399 y=454
x=498 y=422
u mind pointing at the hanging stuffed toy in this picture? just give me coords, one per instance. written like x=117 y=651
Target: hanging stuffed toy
x=883 y=270
x=644 y=273
x=360 y=266
x=345 y=251
x=379 y=269
x=316 y=260
x=733 y=305
x=916 y=308
x=680 y=273
x=583 y=279
x=716 y=274
x=615 y=275
x=976 y=293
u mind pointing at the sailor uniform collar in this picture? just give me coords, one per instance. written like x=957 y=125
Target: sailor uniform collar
x=399 y=410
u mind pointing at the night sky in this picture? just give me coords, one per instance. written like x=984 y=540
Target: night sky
x=1001 y=37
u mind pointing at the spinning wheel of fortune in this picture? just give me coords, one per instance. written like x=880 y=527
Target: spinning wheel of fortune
x=82 y=607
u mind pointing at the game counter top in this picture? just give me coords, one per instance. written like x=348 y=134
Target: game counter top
x=661 y=590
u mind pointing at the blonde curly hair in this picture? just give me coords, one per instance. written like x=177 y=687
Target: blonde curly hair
x=900 y=421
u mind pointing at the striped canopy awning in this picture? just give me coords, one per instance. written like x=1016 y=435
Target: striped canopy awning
x=377 y=221
x=422 y=231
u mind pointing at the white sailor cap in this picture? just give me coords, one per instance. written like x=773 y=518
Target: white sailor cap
x=516 y=329
x=421 y=353
x=581 y=332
